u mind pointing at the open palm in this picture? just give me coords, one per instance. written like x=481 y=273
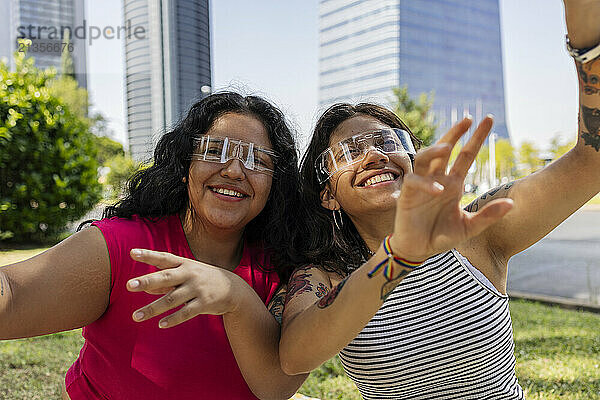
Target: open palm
x=429 y=218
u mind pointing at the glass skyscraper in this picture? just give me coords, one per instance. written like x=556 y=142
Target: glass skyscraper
x=450 y=47
x=166 y=66
x=45 y=22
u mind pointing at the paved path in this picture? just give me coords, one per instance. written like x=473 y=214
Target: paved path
x=566 y=263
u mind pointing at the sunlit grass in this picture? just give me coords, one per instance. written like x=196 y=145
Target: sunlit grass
x=557 y=351
x=13 y=256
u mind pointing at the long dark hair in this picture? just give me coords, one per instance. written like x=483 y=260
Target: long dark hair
x=159 y=190
x=336 y=250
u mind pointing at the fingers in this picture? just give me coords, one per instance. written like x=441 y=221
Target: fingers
x=469 y=152
x=159 y=259
x=156 y=282
x=457 y=130
x=451 y=138
x=425 y=157
x=488 y=215
x=187 y=312
x=171 y=300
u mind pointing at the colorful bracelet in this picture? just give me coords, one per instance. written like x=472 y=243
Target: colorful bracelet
x=388 y=263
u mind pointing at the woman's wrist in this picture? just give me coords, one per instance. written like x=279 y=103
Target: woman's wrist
x=399 y=250
x=393 y=265
x=241 y=293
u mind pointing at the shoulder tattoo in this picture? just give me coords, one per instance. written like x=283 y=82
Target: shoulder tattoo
x=299 y=283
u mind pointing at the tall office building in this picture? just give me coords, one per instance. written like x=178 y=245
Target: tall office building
x=167 y=64
x=450 y=47
x=47 y=23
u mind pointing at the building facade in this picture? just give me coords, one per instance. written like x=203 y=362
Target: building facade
x=50 y=25
x=449 y=47
x=167 y=66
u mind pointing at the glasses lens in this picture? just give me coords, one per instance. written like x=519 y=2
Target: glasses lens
x=405 y=140
x=209 y=148
x=223 y=149
x=354 y=149
x=263 y=160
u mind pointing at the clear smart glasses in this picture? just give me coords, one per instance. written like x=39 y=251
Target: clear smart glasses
x=219 y=149
x=352 y=150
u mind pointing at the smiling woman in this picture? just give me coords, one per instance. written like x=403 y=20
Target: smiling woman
x=406 y=285
x=233 y=213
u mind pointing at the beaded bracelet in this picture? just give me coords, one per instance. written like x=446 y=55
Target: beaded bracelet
x=388 y=264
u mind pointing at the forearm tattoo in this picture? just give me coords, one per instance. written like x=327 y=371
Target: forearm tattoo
x=330 y=297
x=277 y=304
x=590 y=85
x=484 y=198
x=389 y=286
x=590 y=81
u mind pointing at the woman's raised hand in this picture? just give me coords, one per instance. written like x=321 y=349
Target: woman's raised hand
x=201 y=288
x=429 y=218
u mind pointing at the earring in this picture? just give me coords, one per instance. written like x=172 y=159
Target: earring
x=184 y=179
x=335 y=219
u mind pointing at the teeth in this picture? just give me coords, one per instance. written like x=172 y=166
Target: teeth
x=228 y=192
x=379 y=178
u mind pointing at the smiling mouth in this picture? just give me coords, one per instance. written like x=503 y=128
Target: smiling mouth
x=228 y=192
x=383 y=177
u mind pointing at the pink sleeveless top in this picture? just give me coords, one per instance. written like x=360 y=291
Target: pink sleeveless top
x=123 y=359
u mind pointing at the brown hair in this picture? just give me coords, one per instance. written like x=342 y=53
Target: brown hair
x=336 y=250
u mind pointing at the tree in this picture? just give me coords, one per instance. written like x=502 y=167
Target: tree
x=122 y=167
x=481 y=174
x=505 y=159
x=48 y=170
x=107 y=149
x=70 y=94
x=558 y=147
x=529 y=159
x=415 y=114
x=66 y=61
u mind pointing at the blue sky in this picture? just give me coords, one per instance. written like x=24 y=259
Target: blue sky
x=270 y=47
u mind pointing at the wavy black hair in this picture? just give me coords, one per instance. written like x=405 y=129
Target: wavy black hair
x=159 y=190
x=335 y=250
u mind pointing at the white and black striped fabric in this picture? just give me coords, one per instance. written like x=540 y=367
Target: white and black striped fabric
x=441 y=334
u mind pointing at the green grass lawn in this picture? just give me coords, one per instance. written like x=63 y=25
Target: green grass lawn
x=558 y=357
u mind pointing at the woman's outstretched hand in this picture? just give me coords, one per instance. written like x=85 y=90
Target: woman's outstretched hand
x=429 y=218
x=201 y=288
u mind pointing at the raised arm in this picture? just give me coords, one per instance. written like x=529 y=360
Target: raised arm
x=65 y=287
x=252 y=330
x=546 y=198
x=323 y=314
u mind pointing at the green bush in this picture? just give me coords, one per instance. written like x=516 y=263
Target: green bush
x=122 y=167
x=48 y=168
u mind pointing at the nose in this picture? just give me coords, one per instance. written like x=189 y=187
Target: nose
x=234 y=170
x=373 y=157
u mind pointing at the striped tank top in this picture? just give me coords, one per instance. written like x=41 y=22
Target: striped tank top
x=441 y=334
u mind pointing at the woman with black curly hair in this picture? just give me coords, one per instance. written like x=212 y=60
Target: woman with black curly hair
x=406 y=285
x=223 y=189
